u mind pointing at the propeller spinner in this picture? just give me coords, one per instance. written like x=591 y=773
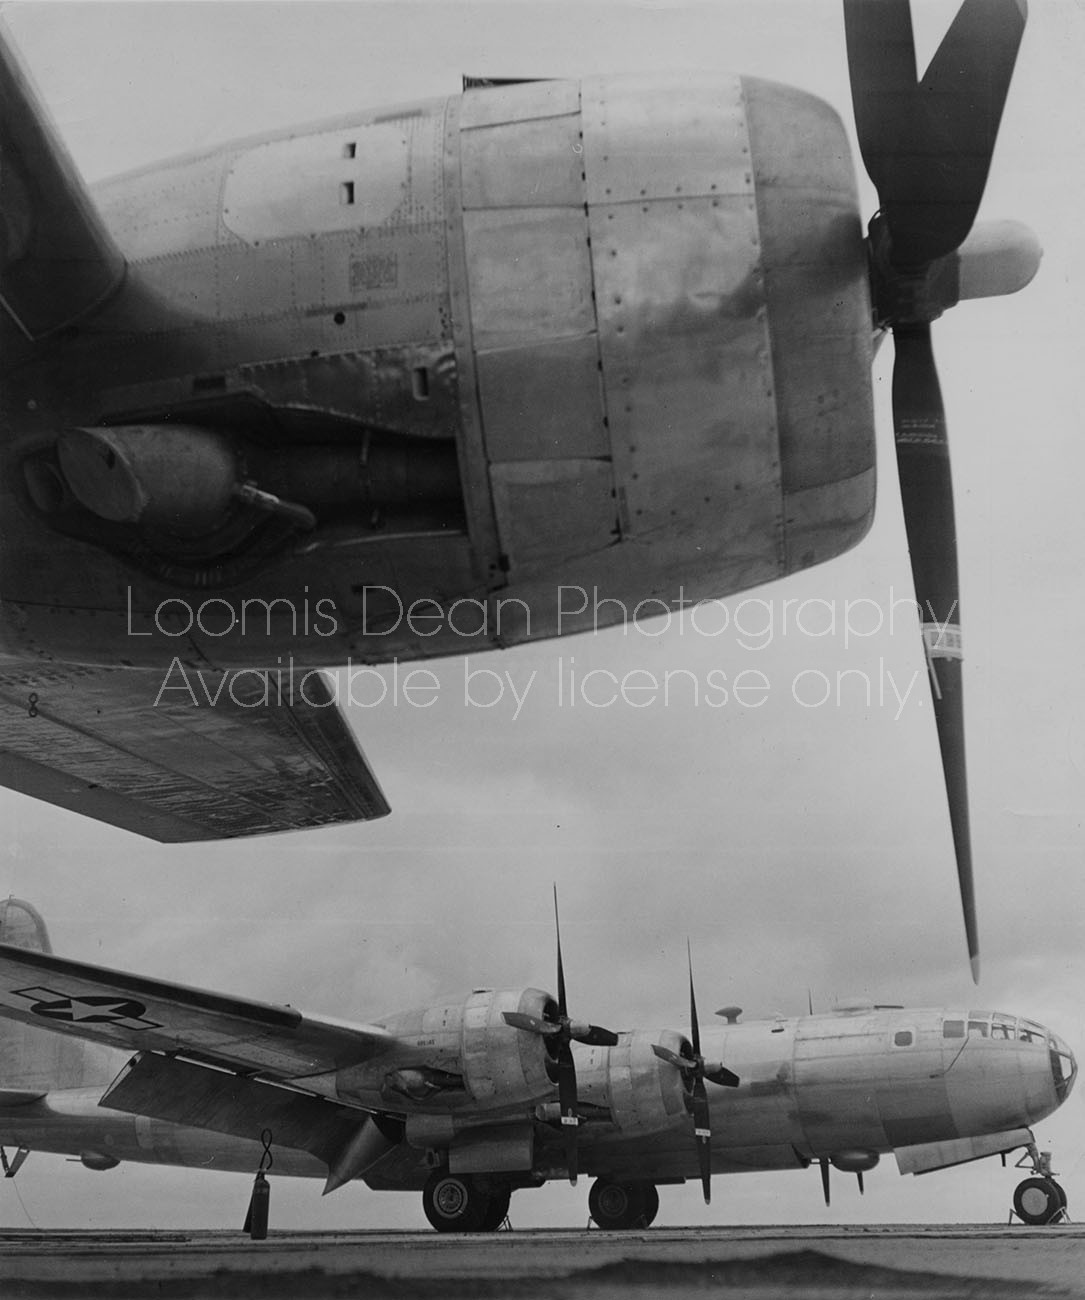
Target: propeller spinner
x=927 y=146
x=560 y=1031
x=695 y=1071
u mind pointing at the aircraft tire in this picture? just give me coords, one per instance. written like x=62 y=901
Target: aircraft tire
x=497 y=1209
x=455 y=1202
x=1038 y=1201
x=618 y=1206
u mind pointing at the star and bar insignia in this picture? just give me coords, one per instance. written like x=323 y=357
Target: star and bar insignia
x=73 y=1009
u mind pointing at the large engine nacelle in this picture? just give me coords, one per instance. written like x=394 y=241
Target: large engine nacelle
x=609 y=335
x=642 y=1093
x=460 y=1054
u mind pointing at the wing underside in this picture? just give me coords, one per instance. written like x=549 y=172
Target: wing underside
x=348 y=1140
x=175 y=766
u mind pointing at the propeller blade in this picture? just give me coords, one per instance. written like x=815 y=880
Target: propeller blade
x=927 y=495
x=565 y=1069
x=530 y=1024
x=593 y=1035
x=672 y=1058
x=927 y=144
x=721 y=1075
x=563 y=1009
x=694 y=1027
x=824 y=1178
x=859 y=1176
x=702 y=1131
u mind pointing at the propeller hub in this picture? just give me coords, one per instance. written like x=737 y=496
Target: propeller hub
x=908 y=295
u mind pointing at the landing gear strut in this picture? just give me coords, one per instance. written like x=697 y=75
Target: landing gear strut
x=463 y=1203
x=1038 y=1200
x=616 y=1206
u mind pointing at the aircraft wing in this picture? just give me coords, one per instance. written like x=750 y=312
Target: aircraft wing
x=57 y=260
x=148 y=1015
x=94 y=740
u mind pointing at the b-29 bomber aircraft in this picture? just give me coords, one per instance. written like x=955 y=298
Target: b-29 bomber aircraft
x=470 y=1098
x=395 y=385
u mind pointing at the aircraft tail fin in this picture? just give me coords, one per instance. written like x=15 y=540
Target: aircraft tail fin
x=34 y=1060
x=57 y=260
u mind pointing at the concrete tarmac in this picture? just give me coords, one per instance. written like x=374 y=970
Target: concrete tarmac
x=883 y=1261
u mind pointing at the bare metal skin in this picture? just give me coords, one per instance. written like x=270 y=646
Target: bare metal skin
x=454 y=1100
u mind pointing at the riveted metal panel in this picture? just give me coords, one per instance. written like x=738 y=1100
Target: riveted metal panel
x=379 y=383
x=408 y=303
x=544 y=402
x=188 y=282
x=485 y=106
x=301 y=186
x=839 y=1066
x=822 y=395
x=686 y=362
x=820 y=232
x=489 y=1150
x=821 y=522
x=476 y=1054
x=171 y=209
x=252 y=283
x=474 y=470
x=798 y=140
x=913 y=1100
x=642 y=1096
x=529 y=275
x=817 y=296
x=761 y=1110
x=548 y=511
x=663 y=137
x=524 y=164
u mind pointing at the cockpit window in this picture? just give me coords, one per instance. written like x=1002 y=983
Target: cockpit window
x=980 y=1027
x=1030 y=1032
x=952 y=1028
x=1063 y=1067
x=902 y=1038
x=1003 y=1026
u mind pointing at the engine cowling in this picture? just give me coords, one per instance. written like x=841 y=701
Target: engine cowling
x=642 y=1093
x=459 y=1054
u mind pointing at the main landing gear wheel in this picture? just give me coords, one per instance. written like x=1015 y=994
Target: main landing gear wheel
x=457 y=1203
x=1039 y=1201
x=616 y=1206
x=497 y=1210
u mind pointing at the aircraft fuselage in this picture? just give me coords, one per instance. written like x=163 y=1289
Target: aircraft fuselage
x=934 y=1087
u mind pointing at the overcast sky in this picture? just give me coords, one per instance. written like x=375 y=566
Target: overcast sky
x=798 y=847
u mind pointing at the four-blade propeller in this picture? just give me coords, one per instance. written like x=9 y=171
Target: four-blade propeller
x=695 y=1070
x=560 y=1030
x=927 y=146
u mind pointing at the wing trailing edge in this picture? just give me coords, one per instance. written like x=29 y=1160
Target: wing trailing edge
x=346 y=1139
x=108 y=744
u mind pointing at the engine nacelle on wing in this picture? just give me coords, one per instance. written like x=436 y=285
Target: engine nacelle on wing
x=590 y=349
x=642 y=1093
x=459 y=1054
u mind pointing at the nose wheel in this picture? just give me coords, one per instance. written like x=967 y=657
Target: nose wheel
x=1039 y=1200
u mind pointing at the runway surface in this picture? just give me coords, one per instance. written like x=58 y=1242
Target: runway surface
x=884 y=1261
